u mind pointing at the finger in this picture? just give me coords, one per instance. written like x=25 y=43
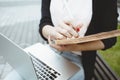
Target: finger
x=64 y=32
x=56 y=35
x=69 y=23
x=59 y=36
x=69 y=29
x=57 y=47
x=78 y=27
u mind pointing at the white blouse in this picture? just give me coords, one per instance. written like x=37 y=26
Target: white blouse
x=75 y=11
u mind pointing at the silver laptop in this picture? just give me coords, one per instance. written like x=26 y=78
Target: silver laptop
x=39 y=63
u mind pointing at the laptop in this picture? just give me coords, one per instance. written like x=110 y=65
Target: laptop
x=37 y=62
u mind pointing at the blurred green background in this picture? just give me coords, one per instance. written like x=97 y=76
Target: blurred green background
x=112 y=56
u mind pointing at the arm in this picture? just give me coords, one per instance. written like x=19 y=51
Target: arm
x=110 y=22
x=95 y=45
x=46 y=27
x=90 y=46
x=45 y=17
x=104 y=19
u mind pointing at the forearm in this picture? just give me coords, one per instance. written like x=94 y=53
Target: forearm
x=95 y=45
x=45 y=17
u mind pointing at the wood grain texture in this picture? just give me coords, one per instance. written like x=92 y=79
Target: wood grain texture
x=93 y=37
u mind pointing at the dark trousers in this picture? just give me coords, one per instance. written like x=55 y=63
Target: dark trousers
x=88 y=60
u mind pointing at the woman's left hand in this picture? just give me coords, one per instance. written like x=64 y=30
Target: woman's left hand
x=70 y=47
x=80 y=47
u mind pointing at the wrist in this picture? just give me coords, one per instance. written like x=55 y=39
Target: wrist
x=46 y=30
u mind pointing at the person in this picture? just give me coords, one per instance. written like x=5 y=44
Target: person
x=62 y=19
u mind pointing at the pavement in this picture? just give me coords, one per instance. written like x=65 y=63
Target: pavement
x=20 y=24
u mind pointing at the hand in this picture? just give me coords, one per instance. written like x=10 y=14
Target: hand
x=63 y=30
x=71 y=47
x=89 y=46
x=52 y=32
x=75 y=27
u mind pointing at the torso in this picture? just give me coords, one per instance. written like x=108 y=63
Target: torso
x=75 y=11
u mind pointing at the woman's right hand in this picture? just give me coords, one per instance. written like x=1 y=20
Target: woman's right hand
x=62 y=31
x=53 y=32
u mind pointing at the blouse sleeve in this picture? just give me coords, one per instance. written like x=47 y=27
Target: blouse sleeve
x=45 y=16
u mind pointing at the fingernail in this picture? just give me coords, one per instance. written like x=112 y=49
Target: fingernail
x=78 y=29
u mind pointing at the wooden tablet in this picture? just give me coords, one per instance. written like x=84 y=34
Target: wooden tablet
x=93 y=37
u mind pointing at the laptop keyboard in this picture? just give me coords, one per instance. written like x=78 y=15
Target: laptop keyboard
x=43 y=71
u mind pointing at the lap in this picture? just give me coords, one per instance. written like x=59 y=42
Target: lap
x=76 y=60
x=68 y=55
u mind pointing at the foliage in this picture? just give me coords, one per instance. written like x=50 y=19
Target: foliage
x=112 y=56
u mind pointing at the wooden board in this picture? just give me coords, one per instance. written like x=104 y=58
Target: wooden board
x=94 y=37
